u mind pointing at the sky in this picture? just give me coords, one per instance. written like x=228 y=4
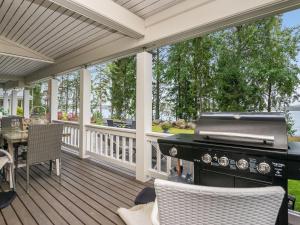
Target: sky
x=292 y=19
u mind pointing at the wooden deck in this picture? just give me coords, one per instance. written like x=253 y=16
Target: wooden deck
x=88 y=194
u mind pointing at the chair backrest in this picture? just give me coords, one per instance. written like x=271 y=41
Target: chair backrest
x=110 y=123
x=10 y=121
x=133 y=124
x=44 y=142
x=192 y=204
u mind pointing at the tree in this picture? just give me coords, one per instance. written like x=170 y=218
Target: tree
x=159 y=77
x=122 y=74
x=100 y=88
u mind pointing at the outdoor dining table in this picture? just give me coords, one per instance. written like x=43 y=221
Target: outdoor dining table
x=15 y=136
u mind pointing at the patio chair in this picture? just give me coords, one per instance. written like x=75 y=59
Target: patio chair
x=110 y=123
x=11 y=121
x=190 y=204
x=7 y=197
x=179 y=203
x=44 y=144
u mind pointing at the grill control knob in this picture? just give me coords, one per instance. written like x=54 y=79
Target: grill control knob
x=173 y=151
x=206 y=158
x=242 y=164
x=223 y=161
x=264 y=168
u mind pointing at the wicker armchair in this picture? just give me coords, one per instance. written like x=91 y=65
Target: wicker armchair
x=6 y=197
x=44 y=144
x=9 y=121
x=190 y=204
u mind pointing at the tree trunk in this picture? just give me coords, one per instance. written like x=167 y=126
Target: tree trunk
x=157 y=90
x=269 y=107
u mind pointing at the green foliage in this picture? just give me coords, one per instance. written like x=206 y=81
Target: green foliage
x=248 y=68
x=68 y=92
x=20 y=111
x=100 y=88
x=166 y=125
x=37 y=95
x=97 y=118
x=123 y=87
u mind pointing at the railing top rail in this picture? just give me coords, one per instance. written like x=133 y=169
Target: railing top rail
x=158 y=135
x=66 y=122
x=122 y=130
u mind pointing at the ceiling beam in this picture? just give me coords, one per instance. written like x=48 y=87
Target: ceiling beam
x=13 y=49
x=189 y=19
x=108 y=13
x=10 y=77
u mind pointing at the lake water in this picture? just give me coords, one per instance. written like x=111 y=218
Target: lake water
x=296 y=117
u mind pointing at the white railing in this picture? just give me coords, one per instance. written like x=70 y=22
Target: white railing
x=113 y=145
x=71 y=140
x=161 y=165
x=117 y=146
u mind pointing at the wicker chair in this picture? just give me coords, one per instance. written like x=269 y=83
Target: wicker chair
x=44 y=144
x=7 y=197
x=190 y=204
x=8 y=122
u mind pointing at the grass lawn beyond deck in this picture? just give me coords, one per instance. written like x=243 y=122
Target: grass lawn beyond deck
x=294 y=185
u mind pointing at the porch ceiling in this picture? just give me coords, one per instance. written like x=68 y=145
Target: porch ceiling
x=48 y=37
x=146 y=8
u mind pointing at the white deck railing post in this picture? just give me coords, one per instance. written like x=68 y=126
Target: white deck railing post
x=5 y=102
x=53 y=94
x=143 y=113
x=85 y=109
x=14 y=102
x=26 y=99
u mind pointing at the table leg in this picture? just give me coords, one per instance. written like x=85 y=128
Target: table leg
x=12 y=152
x=57 y=165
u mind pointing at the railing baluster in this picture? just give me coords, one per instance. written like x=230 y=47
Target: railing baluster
x=123 y=149
x=96 y=143
x=111 y=146
x=130 y=149
x=101 y=143
x=117 y=147
x=106 y=144
x=169 y=165
x=158 y=160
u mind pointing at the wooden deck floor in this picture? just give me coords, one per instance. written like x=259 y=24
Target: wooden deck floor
x=88 y=194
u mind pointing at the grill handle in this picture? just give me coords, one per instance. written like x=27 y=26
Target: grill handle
x=263 y=138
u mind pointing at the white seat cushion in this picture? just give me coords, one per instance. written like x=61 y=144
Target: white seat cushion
x=3 y=161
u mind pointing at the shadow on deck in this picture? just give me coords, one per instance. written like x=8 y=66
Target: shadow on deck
x=89 y=194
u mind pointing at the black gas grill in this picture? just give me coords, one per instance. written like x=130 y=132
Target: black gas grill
x=239 y=150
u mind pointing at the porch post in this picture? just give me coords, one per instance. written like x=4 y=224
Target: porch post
x=53 y=96
x=85 y=109
x=26 y=96
x=143 y=113
x=5 y=102
x=14 y=102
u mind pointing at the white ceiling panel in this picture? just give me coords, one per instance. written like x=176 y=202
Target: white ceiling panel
x=44 y=27
x=146 y=8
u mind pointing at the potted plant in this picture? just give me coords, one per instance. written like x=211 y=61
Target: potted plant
x=166 y=126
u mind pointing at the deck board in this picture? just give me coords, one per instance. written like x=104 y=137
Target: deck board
x=88 y=194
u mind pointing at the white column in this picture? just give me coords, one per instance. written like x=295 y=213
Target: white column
x=85 y=109
x=143 y=113
x=53 y=96
x=14 y=102
x=5 y=102
x=26 y=100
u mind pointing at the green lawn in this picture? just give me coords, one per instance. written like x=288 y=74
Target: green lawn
x=157 y=128
x=294 y=189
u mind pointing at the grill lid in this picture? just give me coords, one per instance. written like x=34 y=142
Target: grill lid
x=263 y=130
